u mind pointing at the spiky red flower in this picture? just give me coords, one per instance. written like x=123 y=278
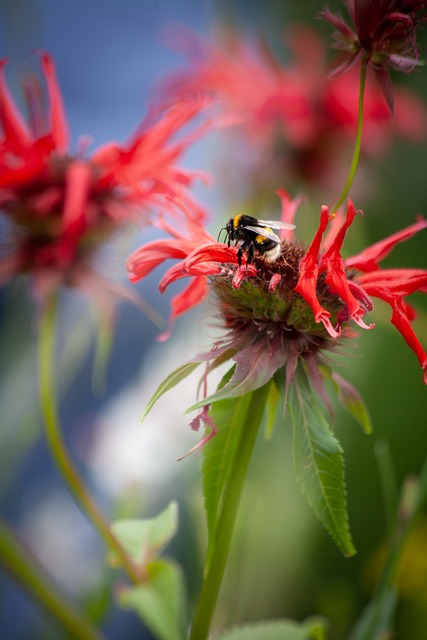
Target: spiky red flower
x=383 y=32
x=61 y=207
x=295 y=308
x=299 y=123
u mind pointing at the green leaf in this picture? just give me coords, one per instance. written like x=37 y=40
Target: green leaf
x=144 y=539
x=169 y=383
x=351 y=400
x=312 y=629
x=272 y=402
x=160 y=601
x=229 y=417
x=319 y=464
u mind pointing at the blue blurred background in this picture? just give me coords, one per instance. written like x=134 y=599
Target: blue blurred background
x=108 y=55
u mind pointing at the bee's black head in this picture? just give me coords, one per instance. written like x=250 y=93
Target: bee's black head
x=229 y=227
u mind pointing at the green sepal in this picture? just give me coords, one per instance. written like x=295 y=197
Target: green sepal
x=318 y=462
x=160 y=602
x=169 y=383
x=311 y=629
x=144 y=539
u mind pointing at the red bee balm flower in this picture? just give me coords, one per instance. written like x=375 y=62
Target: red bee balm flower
x=383 y=31
x=297 y=307
x=298 y=123
x=61 y=207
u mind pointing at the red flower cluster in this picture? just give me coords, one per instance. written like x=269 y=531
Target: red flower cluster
x=335 y=290
x=295 y=121
x=59 y=208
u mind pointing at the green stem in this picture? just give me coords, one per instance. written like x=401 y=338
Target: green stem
x=19 y=563
x=367 y=627
x=217 y=556
x=57 y=446
x=358 y=142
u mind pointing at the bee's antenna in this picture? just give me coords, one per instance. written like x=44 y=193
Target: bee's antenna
x=220 y=231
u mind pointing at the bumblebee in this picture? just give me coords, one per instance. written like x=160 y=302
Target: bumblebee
x=254 y=236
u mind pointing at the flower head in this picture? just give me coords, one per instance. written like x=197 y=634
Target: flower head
x=297 y=308
x=298 y=122
x=383 y=32
x=61 y=207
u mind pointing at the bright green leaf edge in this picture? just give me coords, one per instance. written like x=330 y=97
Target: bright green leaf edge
x=168 y=383
x=319 y=464
x=311 y=629
x=144 y=539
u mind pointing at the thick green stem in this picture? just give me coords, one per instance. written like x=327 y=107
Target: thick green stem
x=57 y=447
x=19 y=563
x=358 y=142
x=217 y=556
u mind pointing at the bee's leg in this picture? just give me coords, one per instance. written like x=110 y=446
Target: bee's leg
x=239 y=256
x=250 y=254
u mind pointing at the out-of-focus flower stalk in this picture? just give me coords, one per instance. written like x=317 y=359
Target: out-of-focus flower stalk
x=19 y=563
x=56 y=444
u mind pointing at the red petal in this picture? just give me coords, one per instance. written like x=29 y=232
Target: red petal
x=401 y=282
x=142 y=261
x=58 y=121
x=194 y=294
x=17 y=136
x=211 y=253
x=402 y=323
x=309 y=271
x=368 y=259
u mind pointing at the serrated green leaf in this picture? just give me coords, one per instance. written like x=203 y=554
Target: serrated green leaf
x=319 y=464
x=312 y=629
x=160 y=601
x=169 y=383
x=351 y=400
x=144 y=539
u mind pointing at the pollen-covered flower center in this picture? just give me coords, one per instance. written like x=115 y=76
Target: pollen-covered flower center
x=276 y=309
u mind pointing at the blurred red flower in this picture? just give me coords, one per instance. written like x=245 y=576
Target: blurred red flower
x=383 y=33
x=60 y=207
x=294 y=121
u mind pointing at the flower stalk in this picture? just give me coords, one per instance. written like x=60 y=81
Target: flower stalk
x=218 y=553
x=19 y=563
x=358 y=141
x=52 y=432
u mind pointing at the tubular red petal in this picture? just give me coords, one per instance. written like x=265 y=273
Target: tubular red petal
x=368 y=259
x=58 y=121
x=308 y=274
x=78 y=182
x=17 y=136
x=245 y=271
x=192 y=295
x=211 y=253
x=402 y=323
x=289 y=209
x=400 y=282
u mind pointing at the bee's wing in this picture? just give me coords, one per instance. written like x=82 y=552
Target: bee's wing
x=264 y=232
x=276 y=224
